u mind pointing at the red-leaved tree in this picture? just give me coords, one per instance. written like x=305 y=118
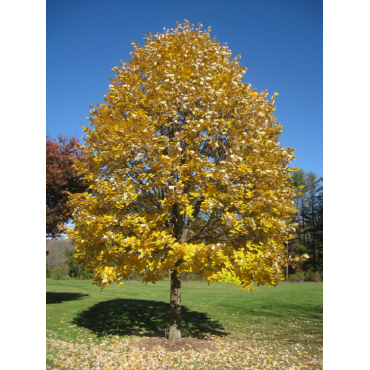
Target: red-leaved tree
x=60 y=176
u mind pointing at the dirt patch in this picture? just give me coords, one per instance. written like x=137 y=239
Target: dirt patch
x=185 y=344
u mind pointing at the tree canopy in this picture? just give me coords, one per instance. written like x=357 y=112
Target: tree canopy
x=185 y=170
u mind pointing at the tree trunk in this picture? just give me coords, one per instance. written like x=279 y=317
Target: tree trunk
x=287 y=265
x=181 y=230
x=175 y=308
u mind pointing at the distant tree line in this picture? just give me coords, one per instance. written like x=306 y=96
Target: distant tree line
x=60 y=262
x=309 y=217
x=56 y=248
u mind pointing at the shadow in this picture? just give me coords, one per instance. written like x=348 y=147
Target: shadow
x=283 y=311
x=53 y=297
x=143 y=318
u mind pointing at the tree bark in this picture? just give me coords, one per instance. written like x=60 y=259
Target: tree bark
x=287 y=266
x=181 y=230
x=175 y=307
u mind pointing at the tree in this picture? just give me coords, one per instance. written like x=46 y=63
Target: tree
x=57 y=248
x=309 y=215
x=59 y=273
x=298 y=178
x=61 y=176
x=76 y=269
x=312 y=214
x=185 y=172
x=294 y=247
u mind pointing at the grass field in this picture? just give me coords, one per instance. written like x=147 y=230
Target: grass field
x=277 y=328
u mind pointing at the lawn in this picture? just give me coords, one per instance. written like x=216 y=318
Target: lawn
x=277 y=328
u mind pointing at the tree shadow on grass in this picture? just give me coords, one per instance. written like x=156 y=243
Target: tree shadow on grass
x=56 y=297
x=143 y=318
x=285 y=310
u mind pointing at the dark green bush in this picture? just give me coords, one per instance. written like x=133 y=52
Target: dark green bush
x=47 y=271
x=75 y=269
x=86 y=275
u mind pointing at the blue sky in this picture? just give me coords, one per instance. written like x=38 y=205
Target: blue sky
x=280 y=42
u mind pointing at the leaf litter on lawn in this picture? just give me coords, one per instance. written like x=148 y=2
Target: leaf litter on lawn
x=189 y=353
x=284 y=338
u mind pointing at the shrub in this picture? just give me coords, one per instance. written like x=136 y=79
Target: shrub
x=313 y=276
x=317 y=277
x=164 y=275
x=59 y=273
x=76 y=269
x=87 y=275
x=191 y=276
x=135 y=276
x=300 y=276
x=296 y=278
x=47 y=271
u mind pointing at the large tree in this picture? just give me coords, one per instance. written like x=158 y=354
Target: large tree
x=61 y=176
x=185 y=172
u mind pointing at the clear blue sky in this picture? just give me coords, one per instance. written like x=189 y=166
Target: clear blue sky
x=280 y=42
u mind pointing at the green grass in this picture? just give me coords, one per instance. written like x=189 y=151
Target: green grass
x=289 y=315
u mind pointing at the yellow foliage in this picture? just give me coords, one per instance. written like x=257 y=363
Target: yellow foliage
x=184 y=169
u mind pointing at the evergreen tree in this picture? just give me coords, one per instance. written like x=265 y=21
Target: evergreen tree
x=76 y=269
x=309 y=216
x=312 y=218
